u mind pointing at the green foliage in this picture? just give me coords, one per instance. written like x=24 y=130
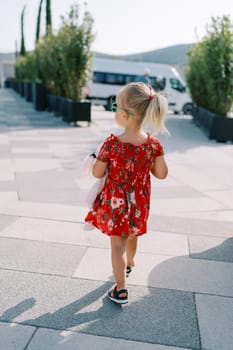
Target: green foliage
x=210 y=70
x=61 y=61
x=25 y=68
x=22 y=47
x=48 y=53
x=75 y=57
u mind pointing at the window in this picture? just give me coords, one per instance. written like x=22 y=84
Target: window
x=176 y=85
x=113 y=78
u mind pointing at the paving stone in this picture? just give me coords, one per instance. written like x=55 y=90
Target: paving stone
x=14 y=336
x=7 y=185
x=215 y=215
x=180 y=205
x=211 y=248
x=215 y=315
x=191 y=225
x=4 y=139
x=72 y=304
x=52 y=211
x=7 y=171
x=40 y=257
x=68 y=340
x=164 y=243
x=224 y=197
x=56 y=186
x=55 y=231
x=34 y=165
x=5 y=151
x=6 y=221
x=174 y=192
x=8 y=195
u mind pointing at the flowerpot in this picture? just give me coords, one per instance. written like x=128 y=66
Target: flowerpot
x=216 y=127
x=21 y=88
x=16 y=85
x=28 y=91
x=8 y=83
x=56 y=106
x=78 y=111
x=64 y=107
x=39 y=96
x=51 y=102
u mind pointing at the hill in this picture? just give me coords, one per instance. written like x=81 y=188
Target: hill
x=174 y=55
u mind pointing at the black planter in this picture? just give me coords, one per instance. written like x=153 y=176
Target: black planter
x=21 y=88
x=56 y=106
x=16 y=85
x=216 y=127
x=64 y=107
x=28 y=91
x=51 y=102
x=8 y=83
x=39 y=96
x=78 y=111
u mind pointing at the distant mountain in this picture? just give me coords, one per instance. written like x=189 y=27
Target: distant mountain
x=174 y=55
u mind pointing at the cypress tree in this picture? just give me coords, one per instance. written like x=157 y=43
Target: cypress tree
x=48 y=17
x=38 y=21
x=22 y=47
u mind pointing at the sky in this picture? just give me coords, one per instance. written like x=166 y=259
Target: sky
x=121 y=26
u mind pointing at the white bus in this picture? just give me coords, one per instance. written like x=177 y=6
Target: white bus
x=110 y=74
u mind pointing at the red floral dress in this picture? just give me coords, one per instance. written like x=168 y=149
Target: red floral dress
x=122 y=207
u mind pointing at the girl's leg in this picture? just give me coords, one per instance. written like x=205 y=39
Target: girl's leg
x=131 y=249
x=118 y=253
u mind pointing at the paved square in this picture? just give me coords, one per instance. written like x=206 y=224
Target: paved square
x=55 y=274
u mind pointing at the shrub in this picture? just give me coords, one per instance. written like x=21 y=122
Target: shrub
x=75 y=57
x=210 y=69
x=50 y=71
x=25 y=67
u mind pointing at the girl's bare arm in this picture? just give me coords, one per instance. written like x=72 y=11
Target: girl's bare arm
x=159 y=168
x=99 y=169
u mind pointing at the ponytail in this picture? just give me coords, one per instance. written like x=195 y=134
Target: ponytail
x=156 y=113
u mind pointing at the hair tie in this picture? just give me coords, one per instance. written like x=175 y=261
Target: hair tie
x=151 y=97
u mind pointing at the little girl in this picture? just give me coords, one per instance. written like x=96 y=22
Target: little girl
x=121 y=209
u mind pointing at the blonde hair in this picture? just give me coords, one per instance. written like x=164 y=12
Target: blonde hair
x=149 y=106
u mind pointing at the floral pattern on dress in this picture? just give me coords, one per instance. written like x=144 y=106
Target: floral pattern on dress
x=122 y=207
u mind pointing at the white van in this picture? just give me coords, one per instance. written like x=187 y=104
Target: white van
x=109 y=75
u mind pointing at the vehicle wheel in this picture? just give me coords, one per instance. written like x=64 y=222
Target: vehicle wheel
x=110 y=100
x=187 y=108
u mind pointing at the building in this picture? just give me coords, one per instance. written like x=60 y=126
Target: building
x=7 y=61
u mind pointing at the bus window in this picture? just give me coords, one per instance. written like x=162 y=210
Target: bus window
x=176 y=85
x=98 y=77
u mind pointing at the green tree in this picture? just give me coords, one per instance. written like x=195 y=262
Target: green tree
x=210 y=68
x=75 y=39
x=48 y=17
x=25 y=67
x=38 y=21
x=22 y=47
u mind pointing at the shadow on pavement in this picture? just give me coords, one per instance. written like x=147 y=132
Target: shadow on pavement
x=154 y=315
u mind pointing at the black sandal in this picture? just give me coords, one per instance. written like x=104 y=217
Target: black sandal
x=128 y=270
x=114 y=295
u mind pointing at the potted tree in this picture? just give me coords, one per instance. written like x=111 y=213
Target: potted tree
x=75 y=40
x=50 y=67
x=210 y=80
